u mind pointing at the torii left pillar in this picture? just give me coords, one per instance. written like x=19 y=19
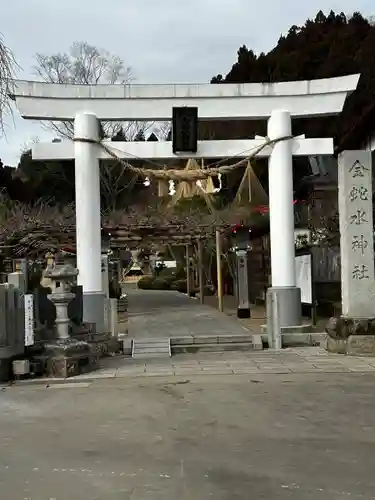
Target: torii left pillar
x=88 y=220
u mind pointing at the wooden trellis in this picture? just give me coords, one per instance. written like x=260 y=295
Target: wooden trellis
x=39 y=240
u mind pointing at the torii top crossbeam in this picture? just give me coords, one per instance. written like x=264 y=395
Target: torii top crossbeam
x=50 y=101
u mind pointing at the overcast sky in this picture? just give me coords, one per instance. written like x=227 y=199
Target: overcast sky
x=170 y=41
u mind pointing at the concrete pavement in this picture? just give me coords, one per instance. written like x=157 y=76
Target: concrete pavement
x=304 y=436
x=296 y=424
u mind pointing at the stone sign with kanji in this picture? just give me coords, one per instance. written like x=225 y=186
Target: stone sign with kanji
x=356 y=234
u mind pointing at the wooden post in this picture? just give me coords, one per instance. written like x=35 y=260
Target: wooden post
x=188 y=277
x=194 y=270
x=200 y=271
x=219 y=272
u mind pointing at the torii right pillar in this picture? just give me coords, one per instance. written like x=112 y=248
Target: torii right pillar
x=283 y=290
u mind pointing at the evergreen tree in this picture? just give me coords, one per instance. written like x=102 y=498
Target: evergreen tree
x=328 y=46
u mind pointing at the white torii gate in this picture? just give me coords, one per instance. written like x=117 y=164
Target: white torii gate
x=276 y=102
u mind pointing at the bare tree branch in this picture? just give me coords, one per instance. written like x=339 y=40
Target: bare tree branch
x=26 y=146
x=113 y=183
x=8 y=68
x=84 y=64
x=164 y=130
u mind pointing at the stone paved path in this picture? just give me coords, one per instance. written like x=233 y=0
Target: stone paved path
x=309 y=360
x=298 y=360
x=154 y=313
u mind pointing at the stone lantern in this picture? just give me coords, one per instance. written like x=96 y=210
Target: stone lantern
x=65 y=355
x=62 y=276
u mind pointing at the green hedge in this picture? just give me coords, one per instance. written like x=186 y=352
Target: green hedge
x=160 y=284
x=169 y=282
x=153 y=283
x=208 y=291
x=179 y=286
x=146 y=283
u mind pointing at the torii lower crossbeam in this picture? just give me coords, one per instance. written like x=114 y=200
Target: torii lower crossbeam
x=163 y=150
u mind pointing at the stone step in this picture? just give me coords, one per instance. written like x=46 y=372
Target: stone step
x=223 y=347
x=212 y=339
x=146 y=349
x=151 y=348
x=151 y=356
x=154 y=342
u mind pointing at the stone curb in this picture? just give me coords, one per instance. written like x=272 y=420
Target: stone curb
x=282 y=370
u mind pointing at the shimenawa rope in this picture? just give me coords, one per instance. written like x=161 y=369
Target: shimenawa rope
x=185 y=175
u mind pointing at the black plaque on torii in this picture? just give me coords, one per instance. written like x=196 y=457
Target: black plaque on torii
x=185 y=130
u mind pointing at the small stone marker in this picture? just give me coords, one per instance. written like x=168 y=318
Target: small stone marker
x=105 y=275
x=356 y=234
x=29 y=319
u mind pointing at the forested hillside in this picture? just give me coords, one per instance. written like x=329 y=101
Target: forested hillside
x=325 y=47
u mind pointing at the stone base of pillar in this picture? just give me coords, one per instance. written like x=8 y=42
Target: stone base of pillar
x=102 y=344
x=93 y=309
x=296 y=336
x=289 y=305
x=76 y=355
x=351 y=336
x=69 y=357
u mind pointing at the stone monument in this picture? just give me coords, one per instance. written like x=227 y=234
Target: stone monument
x=354 y=332
x=105 y=274
x=12 y=327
